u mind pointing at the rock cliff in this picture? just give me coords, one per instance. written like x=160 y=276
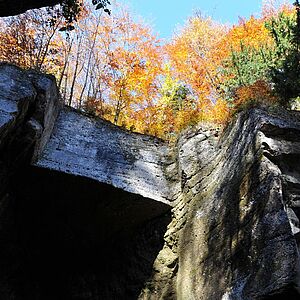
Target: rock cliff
x=90 y=211
x=235 y=228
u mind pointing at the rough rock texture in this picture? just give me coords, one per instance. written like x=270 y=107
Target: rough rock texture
x=65 y=232
x=29 y=104
x=84 y=205
x=234 y=230
x=14 y=7
x=99 y=150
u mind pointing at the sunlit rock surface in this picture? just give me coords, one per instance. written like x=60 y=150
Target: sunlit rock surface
x=70 y=229
x=96 y=149
x=235 y=230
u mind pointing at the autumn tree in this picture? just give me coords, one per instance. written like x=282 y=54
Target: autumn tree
x=114 y=67
x=29 y=40
x=249 y=58
x=17 y=43
x=194 y=53
x=257 y=46
x=128 y=60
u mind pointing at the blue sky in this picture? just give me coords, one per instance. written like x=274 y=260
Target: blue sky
x=165 y=15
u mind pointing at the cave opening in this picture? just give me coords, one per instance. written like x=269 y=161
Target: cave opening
x=81 y=239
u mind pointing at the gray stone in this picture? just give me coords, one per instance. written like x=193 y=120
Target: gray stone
x=16 y=95
x=22 y=134
x=99 y=150
x=24 y=96
x=234 y=229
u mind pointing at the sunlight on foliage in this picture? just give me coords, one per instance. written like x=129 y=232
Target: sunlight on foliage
x=110 y=64
x=258 y=93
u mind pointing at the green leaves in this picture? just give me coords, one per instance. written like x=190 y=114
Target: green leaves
x=285 y=74
x=174 y=94
x=278 y=64
x=245 y=67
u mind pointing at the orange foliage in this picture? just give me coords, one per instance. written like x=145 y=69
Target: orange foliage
x=114 y=67
x=131 y=64
x=17 y=43
x=258 y=93
x=252 y=33
x=219 y=113
x=195 y=55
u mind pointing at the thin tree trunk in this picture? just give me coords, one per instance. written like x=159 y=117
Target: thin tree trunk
x=65 y=64
x=75 y=71
x=89 y=63
x=40 y=64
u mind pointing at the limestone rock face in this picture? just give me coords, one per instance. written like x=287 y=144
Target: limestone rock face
x=99 y=150
x=83 y=212
x=235 y=229
x=85 y=205
x=24 y=129
x=29 y=104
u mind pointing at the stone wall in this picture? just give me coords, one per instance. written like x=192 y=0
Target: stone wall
x=71 y=232
x=96 y=149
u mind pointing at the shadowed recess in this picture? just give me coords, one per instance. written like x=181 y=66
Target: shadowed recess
x=81 y=239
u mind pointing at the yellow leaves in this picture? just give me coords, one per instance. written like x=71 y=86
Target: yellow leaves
x=252 y=33
x=133 y=68
x=121 y=72
x=218 y=113
x=195 y=54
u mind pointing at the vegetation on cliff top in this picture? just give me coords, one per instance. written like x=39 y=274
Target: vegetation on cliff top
x=113 y=66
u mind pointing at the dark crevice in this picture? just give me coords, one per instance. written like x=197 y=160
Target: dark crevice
x=79 y=239
x=278 y=133
x=288 y=293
